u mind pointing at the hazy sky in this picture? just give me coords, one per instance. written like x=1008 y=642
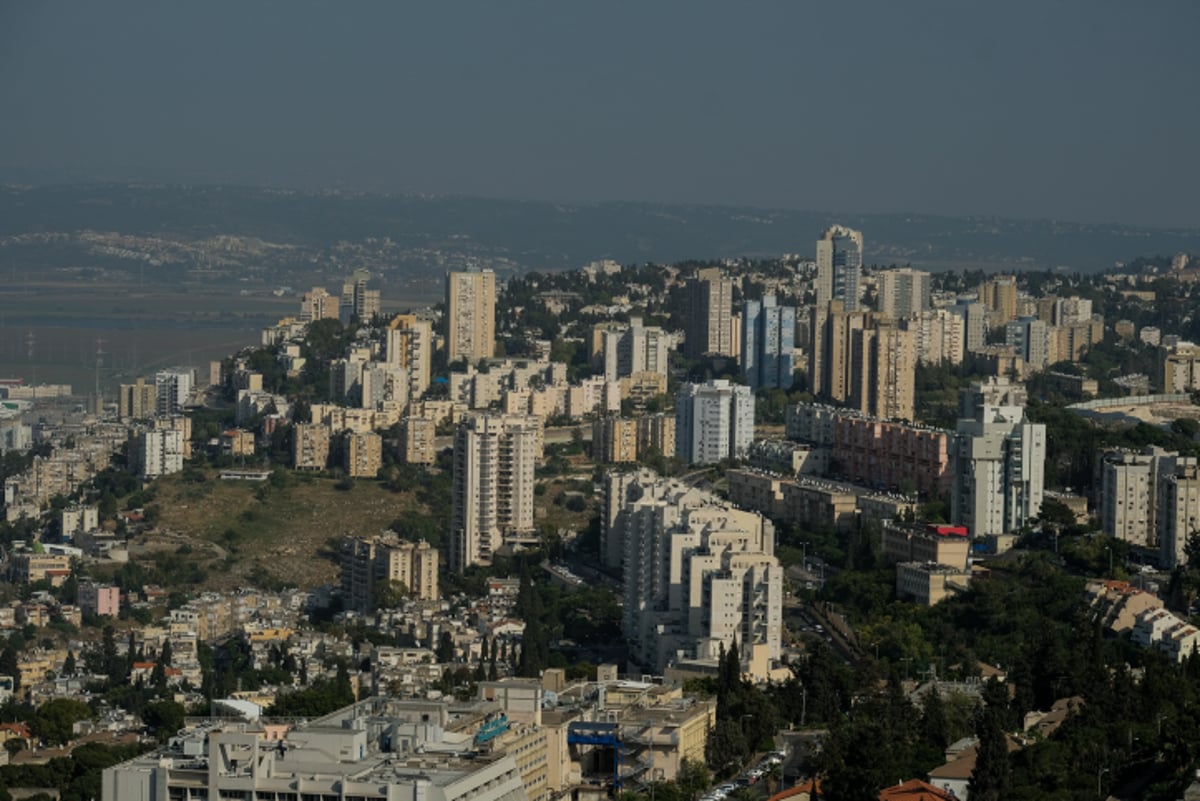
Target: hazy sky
x=1084 y=110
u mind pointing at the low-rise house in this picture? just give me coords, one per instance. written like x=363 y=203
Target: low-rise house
x=1117 y=604
x=1150 y=626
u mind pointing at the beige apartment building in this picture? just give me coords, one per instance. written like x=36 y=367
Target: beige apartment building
x=942 y=545
x=710 y=327
x=318 y=304
x=310 y=446
x=493 y=478
x=614 y=440
x=1179 y=368
x=929 y=583
x=831 y=337
x=839 y=259
x=30 y=567
x=622 y=440
x=363 y=455
x=470 y=316
x=417 y=440
x=884 y=363
x=366 y=562
x=1000 y=297
x=137 y=400
x=237 y=442
x=903 y=293
x=656 y=432
x=1177 y=515
x=409 y=344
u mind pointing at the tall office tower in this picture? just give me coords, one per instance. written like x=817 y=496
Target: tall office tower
x=839 y=266
x=357 y=299
x=1000 y=297
x=884 y=365
x=310 y=446
x=159 y=452
x=713 y=421
x=903 y=293
x=409 y=344
x=1178 y=508
x=974 y=316
x=633 y=348
x=317 y=304
x=829 y=363
x=1128 y=497
x=493 y=479
x=138 y=400
x=368 y=562
x=768 y=342
x=709 y=327
x=698 y=574
x=171 y=388
x=941 y=337
x=1031 y=338
x=999 y=462
x=470 y=316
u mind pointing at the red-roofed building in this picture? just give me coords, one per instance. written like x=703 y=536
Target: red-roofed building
x=808 y=791
x=15 y=731
x=942 y=545
x=915 y=790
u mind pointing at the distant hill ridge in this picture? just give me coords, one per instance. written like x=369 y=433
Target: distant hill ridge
x=545 y=235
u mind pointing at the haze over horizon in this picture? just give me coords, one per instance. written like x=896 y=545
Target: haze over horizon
x=1076 y=111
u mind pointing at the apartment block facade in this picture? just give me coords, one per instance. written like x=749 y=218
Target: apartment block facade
x=709 y=329
x=409 y=344
x=310 y=446
x=318 y=304
x=369 y=561
x=632 y=348
x=999 y=463
x=493 y=478
x=470 y=322
x=768 y=344
x=363 y=454
x=699 y=574
x=903 y=293
x=158 y=452
x=713 y=421
x=839 y=267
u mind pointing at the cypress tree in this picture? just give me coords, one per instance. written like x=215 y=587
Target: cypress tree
x=990 y=779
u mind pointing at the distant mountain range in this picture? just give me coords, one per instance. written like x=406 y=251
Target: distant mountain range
x=417 y=233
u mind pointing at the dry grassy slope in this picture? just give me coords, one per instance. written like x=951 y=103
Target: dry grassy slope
x=287 y=530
